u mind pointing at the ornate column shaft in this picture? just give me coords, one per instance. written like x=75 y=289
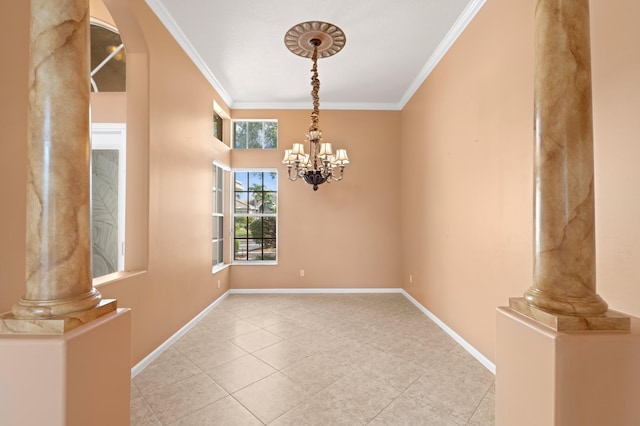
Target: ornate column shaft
x=563 y=294
x=58 y=274
x=564 y=278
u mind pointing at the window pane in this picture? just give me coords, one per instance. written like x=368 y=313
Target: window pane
x=112 y=77
x=255 y=181
x=242 y=181
x=270 y=181
x=256 y=134
x=270 y=202
x=219 y=202
x=240 y=139
x=217 y=126
x=255 y=138
x=240 y=228
x=254 y=227
x=270 y=134
x=269 y=230
x=104 y=211
x=270 y=254
x=216 y=228
x=219 y=178
x=220 y=251
x=240 y=249
x=242 y=202
x=255 y=255
x=214 y=251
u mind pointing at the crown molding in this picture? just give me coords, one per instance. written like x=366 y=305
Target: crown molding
x=165 y=17
x=325 y=105
x=458 y=28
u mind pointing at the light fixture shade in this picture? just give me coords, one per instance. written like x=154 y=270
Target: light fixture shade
x=287 y=155
x=325 y=150
x=305 y=163
x=297 y=152
x=298 y=148
x=341 y=157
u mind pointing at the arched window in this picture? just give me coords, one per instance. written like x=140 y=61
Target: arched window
x=108 y=59
x=108 y=153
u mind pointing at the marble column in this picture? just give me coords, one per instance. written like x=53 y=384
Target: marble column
x=58 y=258
x=564 y=276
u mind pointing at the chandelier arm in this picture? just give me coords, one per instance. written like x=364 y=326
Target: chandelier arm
x=339 y=178
x=295 y=176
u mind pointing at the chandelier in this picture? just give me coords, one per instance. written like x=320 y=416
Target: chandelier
x=312 y=40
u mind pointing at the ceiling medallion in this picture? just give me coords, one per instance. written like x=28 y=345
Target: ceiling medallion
x=298 y=39
x=313 y=40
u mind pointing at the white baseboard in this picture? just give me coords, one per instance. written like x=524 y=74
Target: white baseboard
x=455 y=336
x=178 y=334
x=314 y=290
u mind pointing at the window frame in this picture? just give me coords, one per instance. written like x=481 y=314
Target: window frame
x=234 y=215
x=267 y=120
x=218 y=211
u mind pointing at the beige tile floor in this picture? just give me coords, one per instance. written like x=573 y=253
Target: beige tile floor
x=321 y=359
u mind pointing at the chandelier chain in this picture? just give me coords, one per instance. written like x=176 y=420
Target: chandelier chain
x=315 y=83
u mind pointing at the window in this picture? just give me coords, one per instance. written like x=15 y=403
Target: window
x=217 y=126
x=108 y=59
x=217 y=240
x=108 y=187
x=255 y=134
x=255 y=216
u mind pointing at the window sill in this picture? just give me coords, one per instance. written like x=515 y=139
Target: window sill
x=259 y=262
x=116 y=276
x=219 y=268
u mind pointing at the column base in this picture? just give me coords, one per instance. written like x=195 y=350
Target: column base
x=546 y=377
x=610 y=321
x=78 y=378
x=9 y=324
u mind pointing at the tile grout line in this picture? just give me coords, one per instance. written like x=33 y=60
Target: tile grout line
x=480 y=402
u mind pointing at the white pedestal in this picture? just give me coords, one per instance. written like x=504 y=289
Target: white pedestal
x=82 y=377
x=545 y=377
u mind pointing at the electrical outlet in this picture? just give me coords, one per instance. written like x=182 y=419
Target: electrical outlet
x=302 y=272
x=218 y=283
x=410 y=278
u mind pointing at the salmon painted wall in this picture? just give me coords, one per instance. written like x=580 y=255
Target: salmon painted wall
x=170 y=151
x=345 y=234
x=467 y=168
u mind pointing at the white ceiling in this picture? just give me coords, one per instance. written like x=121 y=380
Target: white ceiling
x=391 y=48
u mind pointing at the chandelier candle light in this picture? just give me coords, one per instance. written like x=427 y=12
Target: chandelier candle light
x=312 y=40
